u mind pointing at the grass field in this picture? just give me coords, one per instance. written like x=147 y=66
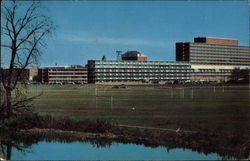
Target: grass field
x=224 y=110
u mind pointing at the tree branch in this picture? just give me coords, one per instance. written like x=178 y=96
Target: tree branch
x=29 y=56
x=6 y=46
x=27 y=17
x=28 y=99
x=9 y=31
x=29 y=34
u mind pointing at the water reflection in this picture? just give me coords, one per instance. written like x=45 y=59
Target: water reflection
x=117 y=151
x=198 y=149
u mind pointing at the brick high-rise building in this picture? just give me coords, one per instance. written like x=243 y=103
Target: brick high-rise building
x=213 y=59
x=213 y=51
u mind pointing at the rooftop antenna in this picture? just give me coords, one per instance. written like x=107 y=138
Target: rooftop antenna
x=118 y=55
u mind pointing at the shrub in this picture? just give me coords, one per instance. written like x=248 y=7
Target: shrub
x=95 y=126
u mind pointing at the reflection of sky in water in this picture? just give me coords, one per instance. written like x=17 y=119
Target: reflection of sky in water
x=117 y=151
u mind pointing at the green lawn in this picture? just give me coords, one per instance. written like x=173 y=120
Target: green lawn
x=203 y=109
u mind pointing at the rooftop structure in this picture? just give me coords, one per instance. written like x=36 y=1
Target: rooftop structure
x=221 y=41
x=134 y=55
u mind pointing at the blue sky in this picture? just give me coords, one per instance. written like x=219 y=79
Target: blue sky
x=89 y=30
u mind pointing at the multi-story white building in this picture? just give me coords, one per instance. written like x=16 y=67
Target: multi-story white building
x=126 y=71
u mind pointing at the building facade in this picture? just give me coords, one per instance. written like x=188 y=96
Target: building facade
x=58 y=75
x=213 y=59
x=213 y=51
x=138 y=71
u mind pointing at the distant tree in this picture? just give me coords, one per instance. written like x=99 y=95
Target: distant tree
x=24 y=29
x=104 y=58
x=239 y=75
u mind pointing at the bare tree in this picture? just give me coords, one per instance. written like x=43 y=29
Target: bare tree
x=25 y=28
x=240 y=75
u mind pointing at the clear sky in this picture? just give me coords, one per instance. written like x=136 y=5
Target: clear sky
x=89 y=30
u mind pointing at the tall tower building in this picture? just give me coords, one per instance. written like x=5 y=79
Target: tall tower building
x=213 y=51
x=213 y=59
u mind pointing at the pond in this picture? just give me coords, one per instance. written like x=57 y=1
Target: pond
x=45 y=144
x=44 y=150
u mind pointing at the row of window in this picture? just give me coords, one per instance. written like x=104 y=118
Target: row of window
x=156 y=75
x=221 y=51
x=67 y=70
x=219 y=46
x=135 y=80
x=216 y=57
x=219 y=59
x=210 y=76
x=68 y=73
x=140 y=78
x=66 y=77
x=217 y=63
x=214 y=71
x=211 y=73
x=138 y=63
x=222 y=54
x=145 y=75
x=141 y=67
x=200 y=55
x=140 y=71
